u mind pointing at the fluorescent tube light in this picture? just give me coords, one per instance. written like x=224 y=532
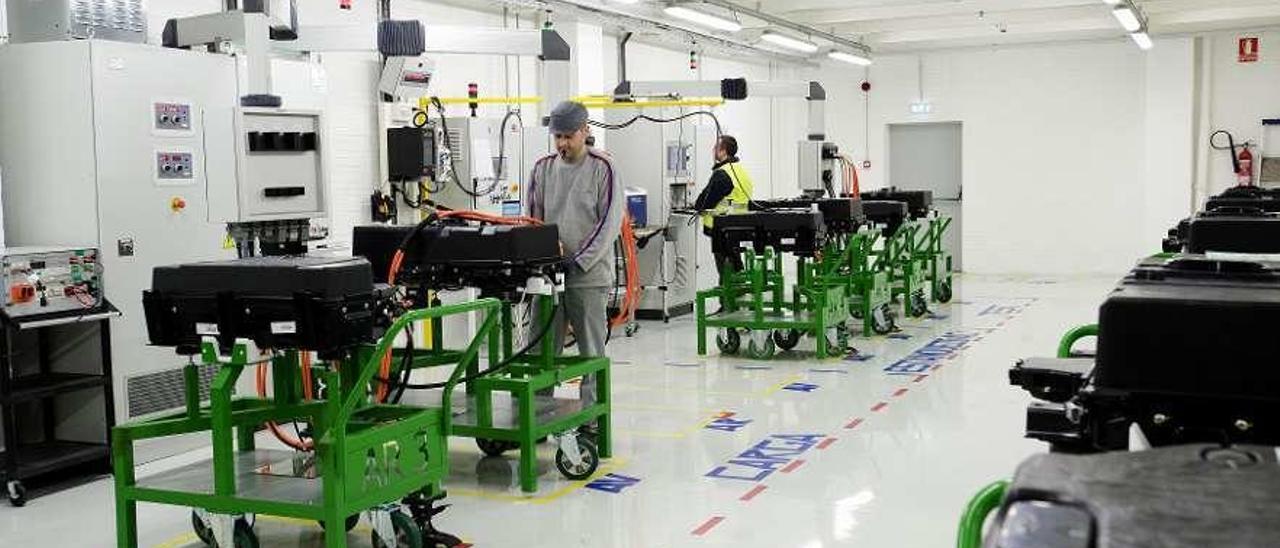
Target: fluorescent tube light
x=702 y=18
x=850 y=58
x=1142 y=39
x=789 y=42
x=1127 y=19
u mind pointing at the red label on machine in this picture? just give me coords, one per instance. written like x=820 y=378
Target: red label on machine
x=1250 y=49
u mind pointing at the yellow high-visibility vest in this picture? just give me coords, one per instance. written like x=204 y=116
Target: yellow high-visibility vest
x=738 y=198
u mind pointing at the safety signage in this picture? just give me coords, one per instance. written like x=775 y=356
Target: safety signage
x=1250 y=50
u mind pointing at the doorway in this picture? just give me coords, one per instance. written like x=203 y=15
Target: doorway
x=927 y=156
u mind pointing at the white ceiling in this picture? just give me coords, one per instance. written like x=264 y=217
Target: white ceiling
x=904 y=25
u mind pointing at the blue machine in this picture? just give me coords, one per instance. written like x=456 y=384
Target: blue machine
x=638 y=206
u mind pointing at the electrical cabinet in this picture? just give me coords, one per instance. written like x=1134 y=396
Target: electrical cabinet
x=45 y=20
x=144 y=153
x=671 y=162
x=485 y=157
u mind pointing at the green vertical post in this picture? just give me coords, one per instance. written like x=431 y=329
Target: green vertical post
x=604 y=424
x=700 y=314
x=334 y=480
x=528 y=449
x=126 y=507
x=224 y=480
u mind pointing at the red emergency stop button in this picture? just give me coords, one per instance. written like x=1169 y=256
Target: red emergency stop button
x=177 y=204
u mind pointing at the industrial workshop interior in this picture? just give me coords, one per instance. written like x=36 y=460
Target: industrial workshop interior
x=640 y=273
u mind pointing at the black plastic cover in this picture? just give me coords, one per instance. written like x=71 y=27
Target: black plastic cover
x=891 y=214
x=919 y=202
x=1189 y=496
x=801 y=232
x=1234 y=231
x=312 y=303
x=842 y=215
x=488 y=257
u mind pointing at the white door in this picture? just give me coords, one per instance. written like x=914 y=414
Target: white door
x=928 y=157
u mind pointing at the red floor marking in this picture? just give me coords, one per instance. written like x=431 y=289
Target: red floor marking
x=920 y=378
x=853 y=424
x=752 y=493
x=899 y=392
x=879 y=406
x=826 y=443
x=790 y=467
x=707 y=525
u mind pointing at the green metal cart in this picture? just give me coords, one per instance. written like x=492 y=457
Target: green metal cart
x=373 y=458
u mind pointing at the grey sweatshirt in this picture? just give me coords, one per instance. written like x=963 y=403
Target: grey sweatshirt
x=585 y=201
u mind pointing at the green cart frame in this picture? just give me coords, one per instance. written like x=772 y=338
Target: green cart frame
x=847 y=261
x=976 y=512
x=536 y=414
x=906 y=268
x=753 y=300
x=931 y=252
x=370 y=457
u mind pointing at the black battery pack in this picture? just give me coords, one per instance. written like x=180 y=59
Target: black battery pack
x=308 y=303
x=889 y=214
x=1234 y=230
x=1187 y=496
x=919 y=202
x=495 y=257
x=841 y=215
x=801 y=232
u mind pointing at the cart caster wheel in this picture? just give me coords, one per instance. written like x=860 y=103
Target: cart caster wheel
x=882 y=320
x=631 y=329
x=495 y=448
x=855 y=312
x=442 y=540
x=786 y=339
x=590 y=461
x=837 y=340
x=943 y=294
x=408 y=535
x=729 y=341
x=17 y=494
x=918 y=305
x=761 y=350
x=244 y=535
x=202 y=531
x=352 y=522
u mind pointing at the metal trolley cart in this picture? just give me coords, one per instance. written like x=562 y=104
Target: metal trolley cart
x=507 y=263
x=753 y=299
x=364 y=457
x=846 y=259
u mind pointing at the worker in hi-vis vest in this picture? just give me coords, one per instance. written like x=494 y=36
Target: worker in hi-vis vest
x=729 y=191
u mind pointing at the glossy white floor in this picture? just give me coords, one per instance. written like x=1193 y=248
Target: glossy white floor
x=805 y=454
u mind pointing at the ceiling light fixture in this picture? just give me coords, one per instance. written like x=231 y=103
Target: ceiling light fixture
x=851 y=58
x=1127 y=19
x=789 y=42
x=703 y=18
x=1143 y=40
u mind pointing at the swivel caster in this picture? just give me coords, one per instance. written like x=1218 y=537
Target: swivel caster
x=576 y=458
x=919 y=306
x=423 y=509
x=728 y=340
x=631 y=329
x=943 y=293
x=407 y=534
x=882 y=320
x=760 y=346
x=17 y=493
x=786 y=339
x=242 y=535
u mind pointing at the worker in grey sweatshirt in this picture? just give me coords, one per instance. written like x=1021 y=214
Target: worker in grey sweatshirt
x=578 y=190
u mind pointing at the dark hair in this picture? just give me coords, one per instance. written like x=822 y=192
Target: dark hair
x=729 y=144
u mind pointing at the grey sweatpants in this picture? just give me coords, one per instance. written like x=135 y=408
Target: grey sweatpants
x=586 y=309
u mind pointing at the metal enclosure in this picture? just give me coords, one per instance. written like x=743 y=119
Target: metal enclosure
x=51 y=20
x=139 y=151
x=487 y=159
x=671 y=162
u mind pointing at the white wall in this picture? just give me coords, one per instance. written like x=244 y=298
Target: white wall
x=1238 y=97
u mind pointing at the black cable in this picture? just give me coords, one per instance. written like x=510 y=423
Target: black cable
x=646 y=117
x=1231 y=146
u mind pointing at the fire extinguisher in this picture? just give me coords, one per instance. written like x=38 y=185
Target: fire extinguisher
x=1241 y=162
x=1244 y=173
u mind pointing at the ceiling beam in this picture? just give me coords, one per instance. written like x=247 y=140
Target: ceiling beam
x=988 y=20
